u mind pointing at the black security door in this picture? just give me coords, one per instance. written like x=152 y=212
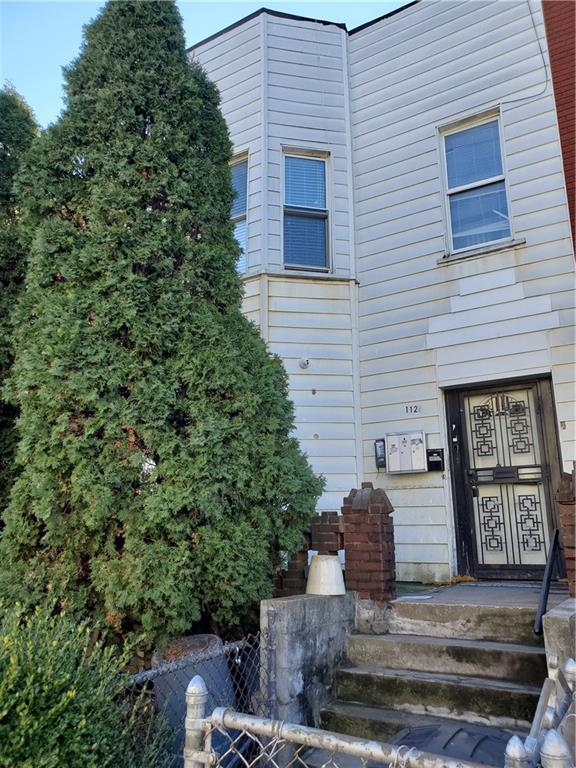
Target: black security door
x=504 y=465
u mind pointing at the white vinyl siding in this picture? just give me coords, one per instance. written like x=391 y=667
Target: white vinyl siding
x=424 y=324
x=282 y=83
x=233 y=61
x=311 y=319
x=394 y=322
x=307 y=113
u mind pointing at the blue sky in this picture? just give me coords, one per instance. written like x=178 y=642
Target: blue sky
x=39 y=37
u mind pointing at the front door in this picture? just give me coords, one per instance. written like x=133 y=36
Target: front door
x=503 y=472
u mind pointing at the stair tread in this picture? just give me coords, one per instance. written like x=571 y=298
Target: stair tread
x=404 y=718
x=488 y=645
x=443 y=677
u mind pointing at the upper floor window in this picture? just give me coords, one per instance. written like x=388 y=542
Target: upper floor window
x=476 y=187
x=305 y=213
x=239 y=171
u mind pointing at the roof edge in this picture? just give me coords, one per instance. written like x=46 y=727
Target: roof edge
x=384 y=16
x=270 y=12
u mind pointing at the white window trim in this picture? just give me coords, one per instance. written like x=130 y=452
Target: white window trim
x=236 y=160
x=315 y=154
x=457 y=127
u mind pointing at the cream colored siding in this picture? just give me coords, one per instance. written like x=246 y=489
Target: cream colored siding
x=251 y=301
x=307 y=110
x=396 y=321
x=233 y=61
x=425 y=325
x=282 y=84
x=311 y=320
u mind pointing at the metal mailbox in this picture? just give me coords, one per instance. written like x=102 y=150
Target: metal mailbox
x=406 y=452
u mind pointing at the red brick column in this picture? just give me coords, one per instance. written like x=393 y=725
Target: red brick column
x=560 y=21
x=566 y=506
x=369 y=543
x=293 y=580
x=327 y=533
x=327 y=536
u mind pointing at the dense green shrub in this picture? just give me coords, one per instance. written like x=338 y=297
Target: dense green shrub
x=61 y=703
x=159 y=475
x=17 y=131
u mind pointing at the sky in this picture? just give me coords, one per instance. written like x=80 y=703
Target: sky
x=39 y=37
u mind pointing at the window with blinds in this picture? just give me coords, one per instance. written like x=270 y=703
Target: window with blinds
x=305 y=213
x=239 y=172
x=476 y=186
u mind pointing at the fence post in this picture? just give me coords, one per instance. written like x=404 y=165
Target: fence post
x=555 y=753
x=196 y=698
x=271 y=664
x=570 y=674
x=516 y=755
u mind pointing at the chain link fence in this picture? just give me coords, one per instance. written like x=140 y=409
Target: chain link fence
x=233 y=677
x=230 y=739
x=246 y=749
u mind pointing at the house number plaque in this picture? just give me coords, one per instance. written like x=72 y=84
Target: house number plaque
x=413 y=408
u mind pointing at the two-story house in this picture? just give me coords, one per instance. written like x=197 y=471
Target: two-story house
x=402 y=210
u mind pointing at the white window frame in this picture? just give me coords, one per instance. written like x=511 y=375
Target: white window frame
x=324 y=213
x=242 y=158
x=462 y=125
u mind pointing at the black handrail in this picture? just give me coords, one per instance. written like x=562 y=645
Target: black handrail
x=548 y=572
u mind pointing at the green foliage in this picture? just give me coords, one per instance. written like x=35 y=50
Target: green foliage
x=17 y=130
x=61 y=701
x=159 y=478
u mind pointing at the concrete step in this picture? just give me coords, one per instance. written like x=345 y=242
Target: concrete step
x=475 y=699
x=517 y=662
x=368 y=722
x=373 y=722
x=498 y=623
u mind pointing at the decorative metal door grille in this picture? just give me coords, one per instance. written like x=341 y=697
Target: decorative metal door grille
x=506 y=474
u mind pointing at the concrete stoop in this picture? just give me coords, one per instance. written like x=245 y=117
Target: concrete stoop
x=517 y=662
x=514 y=624
x=441 y=662
x=448 y=695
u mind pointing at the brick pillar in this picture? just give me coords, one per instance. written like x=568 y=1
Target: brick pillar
x=327 y=533
x=566 y=506
x=293 y=580
x=327 y=536
x=369 y=544
x=560 y=22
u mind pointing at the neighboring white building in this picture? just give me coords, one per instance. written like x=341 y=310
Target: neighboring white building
x=408 y=254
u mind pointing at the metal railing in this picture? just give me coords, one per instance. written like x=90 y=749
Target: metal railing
x=551 y=561
x=230 y=739
x=255 y=741
x=551 y=740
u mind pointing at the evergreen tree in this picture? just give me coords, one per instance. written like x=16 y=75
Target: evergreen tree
x=159 y=478
x=17 y=131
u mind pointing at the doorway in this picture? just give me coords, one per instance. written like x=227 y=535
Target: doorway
x=505 y=466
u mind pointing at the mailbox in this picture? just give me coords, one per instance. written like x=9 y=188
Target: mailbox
x=406 y=452
x=435 y=459
x=380 y=453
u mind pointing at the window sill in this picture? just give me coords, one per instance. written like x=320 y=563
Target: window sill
x=450 y=258
x=296 y=274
